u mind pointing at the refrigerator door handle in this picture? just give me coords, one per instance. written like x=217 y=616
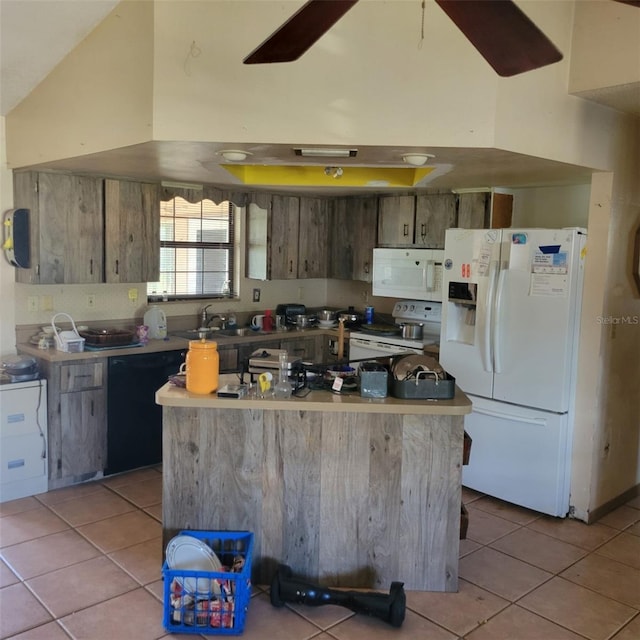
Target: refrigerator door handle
x=497 y=322
x=487 y=347
x=541 y=422
x=431 y=275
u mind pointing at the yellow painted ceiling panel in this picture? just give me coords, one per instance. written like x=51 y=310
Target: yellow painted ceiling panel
x=327 y=176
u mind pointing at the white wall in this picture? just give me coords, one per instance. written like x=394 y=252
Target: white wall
x=596 y=64
x=367 y=82
x=551 y=207
x=7 y=308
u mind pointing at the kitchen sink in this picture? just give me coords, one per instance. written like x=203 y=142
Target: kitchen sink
x=240 y=331
x=195 y=334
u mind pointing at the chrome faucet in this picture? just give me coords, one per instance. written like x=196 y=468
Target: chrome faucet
x=218 y=316
x=204 y=318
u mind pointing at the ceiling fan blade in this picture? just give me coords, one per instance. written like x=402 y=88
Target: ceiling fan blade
x=300 y=31
x=507 y=39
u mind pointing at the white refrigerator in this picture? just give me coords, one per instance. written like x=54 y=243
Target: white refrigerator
x=510 y=333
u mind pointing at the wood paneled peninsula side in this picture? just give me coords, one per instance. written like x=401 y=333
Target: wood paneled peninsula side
x=348 y=491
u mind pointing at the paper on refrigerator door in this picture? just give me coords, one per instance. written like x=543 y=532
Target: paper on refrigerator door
x=549 y=274
x=483 y=259
x=549 y=284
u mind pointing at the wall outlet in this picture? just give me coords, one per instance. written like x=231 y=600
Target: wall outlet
x=256 y=295
x=91 y=301
x=46 y=303
x=32 y=304
x=133 y=296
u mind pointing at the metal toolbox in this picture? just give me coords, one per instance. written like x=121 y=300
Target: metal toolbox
x=426 y=386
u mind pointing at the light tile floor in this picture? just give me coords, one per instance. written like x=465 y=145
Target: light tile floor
x=84 y=563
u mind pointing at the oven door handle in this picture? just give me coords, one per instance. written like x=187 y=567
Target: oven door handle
x=382 y=347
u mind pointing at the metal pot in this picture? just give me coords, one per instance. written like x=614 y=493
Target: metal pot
x=326 y=315
x=411 y=330
x=350 y=317
x=303 y=321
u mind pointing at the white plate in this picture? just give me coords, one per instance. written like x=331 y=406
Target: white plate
x=326 y=324
x=189 y=553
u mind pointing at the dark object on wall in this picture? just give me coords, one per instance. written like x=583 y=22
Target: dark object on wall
x=16 y=238
x=503 y=34
x=390 y=608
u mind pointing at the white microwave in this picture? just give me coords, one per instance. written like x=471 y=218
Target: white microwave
x=408 y=273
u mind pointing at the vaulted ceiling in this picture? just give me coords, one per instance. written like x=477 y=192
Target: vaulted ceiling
x=35 y=35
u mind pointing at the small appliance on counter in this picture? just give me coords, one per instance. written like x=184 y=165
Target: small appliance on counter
x=290 y=311
x=269 y=360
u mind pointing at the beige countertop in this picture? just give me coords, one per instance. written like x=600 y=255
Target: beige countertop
x=172 y=396
x=172 y=343
x=153 y=346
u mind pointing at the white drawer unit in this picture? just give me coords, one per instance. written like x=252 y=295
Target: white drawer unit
x=23 y=439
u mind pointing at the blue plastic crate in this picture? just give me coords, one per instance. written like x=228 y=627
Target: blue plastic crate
x=204 y=602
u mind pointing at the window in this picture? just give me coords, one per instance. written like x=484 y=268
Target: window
x=196 y=249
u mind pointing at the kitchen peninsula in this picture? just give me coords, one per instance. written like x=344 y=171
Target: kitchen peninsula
x=348 y=491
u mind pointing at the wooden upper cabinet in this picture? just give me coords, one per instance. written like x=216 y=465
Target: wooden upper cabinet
x=66 y=229
x=313 y=235
x=501 y=210
x=284 y=226
x=341 y=239
x=474 y=210
x=435 y=213
x=484 y=210
x=365 y=215
x=396 y=220
x=132 y=231
x=352 y=237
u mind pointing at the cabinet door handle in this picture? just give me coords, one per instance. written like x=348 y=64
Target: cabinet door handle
x=91 y=266
x=366 y=267
x=306 y=265
x=117 y=267
x=131 y=237
x=423 y=230
x=405 y=230
x=92 y=409
x=290 y=266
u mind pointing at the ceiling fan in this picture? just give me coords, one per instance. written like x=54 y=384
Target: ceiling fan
x=508 y=40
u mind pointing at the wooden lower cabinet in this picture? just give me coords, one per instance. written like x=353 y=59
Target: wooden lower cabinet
x=228 y=358
x=303 y=348
x=83 y=442
x=77 y=414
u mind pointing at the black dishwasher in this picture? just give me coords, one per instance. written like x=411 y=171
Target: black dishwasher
x=134 y=420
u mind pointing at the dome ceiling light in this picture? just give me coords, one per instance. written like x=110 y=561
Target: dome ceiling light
x=235 y=155
x=417 y=159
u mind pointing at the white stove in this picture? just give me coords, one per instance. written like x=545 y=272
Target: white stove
x=365 y=345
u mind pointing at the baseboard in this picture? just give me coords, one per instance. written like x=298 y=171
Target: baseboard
x=607 y=507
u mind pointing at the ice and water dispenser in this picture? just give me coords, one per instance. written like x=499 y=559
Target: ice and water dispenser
x=461 y=312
